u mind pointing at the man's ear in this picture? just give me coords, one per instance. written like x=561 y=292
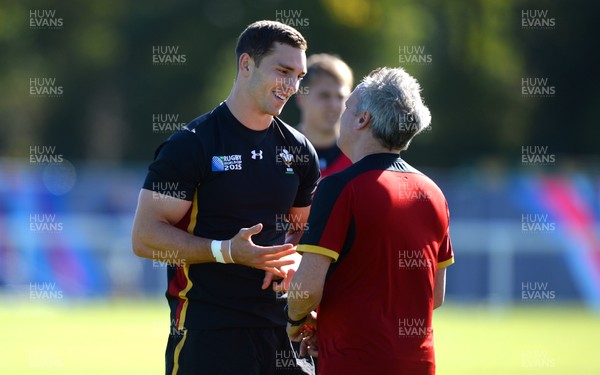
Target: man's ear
x=363 y=120
x=245 y=64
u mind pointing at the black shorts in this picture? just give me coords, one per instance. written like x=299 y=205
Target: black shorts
x=235 y=351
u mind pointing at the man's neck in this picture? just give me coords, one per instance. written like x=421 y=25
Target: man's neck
x=368 y=147
x=244 y=111
x=318 y=138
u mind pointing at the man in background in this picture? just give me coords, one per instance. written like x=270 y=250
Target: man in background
x=321 y=98
x=377 y=243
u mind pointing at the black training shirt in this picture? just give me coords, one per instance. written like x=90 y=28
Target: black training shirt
x=235 y=177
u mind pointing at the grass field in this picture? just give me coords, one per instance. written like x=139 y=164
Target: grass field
x=129 y=338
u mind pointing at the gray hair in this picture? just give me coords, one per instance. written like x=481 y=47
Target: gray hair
x=392 y=98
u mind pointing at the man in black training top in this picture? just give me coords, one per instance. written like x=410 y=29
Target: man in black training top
x=228 y=195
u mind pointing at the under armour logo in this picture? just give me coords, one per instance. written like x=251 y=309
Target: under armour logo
x=257 y=154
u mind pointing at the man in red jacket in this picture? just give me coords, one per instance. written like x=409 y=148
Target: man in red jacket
x=377 y=242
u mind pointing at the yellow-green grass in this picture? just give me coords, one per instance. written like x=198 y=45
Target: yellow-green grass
x=83 y=338
x=519 y=340
x=129 y=338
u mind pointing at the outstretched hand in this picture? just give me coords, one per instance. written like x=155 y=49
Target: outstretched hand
x=287 y=270
x=268 y=258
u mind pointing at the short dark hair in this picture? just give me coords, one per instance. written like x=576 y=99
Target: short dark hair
x=258 y=38
x=326 y=65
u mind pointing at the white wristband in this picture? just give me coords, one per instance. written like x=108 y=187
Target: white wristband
x=215 y=248
x=229 y=252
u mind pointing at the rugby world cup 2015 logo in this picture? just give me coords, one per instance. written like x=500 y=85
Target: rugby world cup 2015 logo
x=226 y=163
x=217 y=164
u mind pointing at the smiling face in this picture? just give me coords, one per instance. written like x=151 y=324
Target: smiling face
x=276 y=78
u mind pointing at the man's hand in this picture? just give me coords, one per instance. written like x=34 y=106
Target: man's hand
x=309 y=345
x=268 y=258
x=306 y=334
x=289 y=270
x=297 y=333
